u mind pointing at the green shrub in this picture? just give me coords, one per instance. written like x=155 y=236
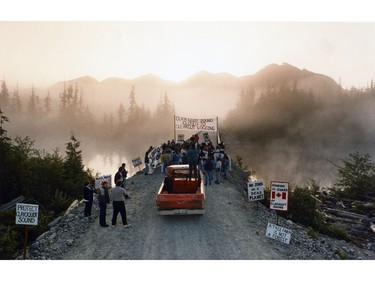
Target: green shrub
x=335 y=231
x=303 y=208
x=312 y=233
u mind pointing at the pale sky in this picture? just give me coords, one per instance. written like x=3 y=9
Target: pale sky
x=44 y=52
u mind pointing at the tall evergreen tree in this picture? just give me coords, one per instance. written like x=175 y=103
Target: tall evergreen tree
x=121 y=114
x=4 y=95
x=16 y=101
x=47 y=103
x=74 y=169
x=133 y=107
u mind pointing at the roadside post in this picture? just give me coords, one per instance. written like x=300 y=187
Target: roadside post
x=279 y=197
x=279 y=202
x=137 y=162
x=26 y=214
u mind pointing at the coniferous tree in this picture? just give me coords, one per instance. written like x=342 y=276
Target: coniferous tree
x=33 y=102
x=16 y=101
x=74 y=169
x=133 y=107
x=121 y=114
x=47 y=103
x=4 y=95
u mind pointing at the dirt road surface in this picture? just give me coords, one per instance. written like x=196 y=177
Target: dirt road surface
x=231 y=229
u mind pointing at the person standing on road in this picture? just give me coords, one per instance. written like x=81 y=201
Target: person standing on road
x=118 y=201
x=103 y=198
x=225 y=166
x=208 y=167
x=124 y=173
x=88 y=198
x=118 y=175
x=147 y=161
x=218 y=166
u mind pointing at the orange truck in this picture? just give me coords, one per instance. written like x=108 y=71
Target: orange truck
x=180 y=195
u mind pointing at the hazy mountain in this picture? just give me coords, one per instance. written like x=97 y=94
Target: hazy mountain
x=203 y=94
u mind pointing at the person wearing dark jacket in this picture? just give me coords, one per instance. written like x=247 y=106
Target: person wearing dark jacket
x=118 y=175
x=103 y=198
x=147 y=161
x=88 y=198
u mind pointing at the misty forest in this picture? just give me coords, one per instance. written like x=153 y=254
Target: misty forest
x=280 y=124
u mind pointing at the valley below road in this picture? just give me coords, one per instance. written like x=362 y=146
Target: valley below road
x=230 y=229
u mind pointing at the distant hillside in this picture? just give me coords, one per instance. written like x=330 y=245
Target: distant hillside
x=204 y=93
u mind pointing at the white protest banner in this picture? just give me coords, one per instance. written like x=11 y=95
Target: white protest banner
x=27 y=214
x=183 y=123
x=137 y=161
x=278 y=233
x=279 y=196
x=154 y=157
x=255 y=190
x=99 y=180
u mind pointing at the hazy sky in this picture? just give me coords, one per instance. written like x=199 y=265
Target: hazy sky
x=44 y=52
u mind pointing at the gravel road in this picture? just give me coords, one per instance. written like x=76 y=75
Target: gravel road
x=230 y=229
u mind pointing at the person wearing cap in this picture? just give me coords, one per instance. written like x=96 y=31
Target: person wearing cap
x=103 y=198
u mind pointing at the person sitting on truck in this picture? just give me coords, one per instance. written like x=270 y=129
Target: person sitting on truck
x=168 y=180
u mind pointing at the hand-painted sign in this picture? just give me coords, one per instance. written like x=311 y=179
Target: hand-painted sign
x=183 y=123
x=99 y=180
x=279 y=196
x=180 y=138
x=27 y=214
x=255 y=190
x=278 y=233
x=137 y=161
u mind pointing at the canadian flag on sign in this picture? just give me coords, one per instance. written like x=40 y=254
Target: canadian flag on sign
x=275 y=195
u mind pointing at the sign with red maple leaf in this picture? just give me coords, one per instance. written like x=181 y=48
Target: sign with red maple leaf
x=279 y=196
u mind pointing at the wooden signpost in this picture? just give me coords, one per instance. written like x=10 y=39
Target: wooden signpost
x=26 y=214
x=137 y=162
x=279 y=197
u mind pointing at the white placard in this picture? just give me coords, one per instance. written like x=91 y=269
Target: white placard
x=137 y=161
x=99 y=180
x=27 y=214
x=278 y=233
x=255 y=190
x=180 y=138
x=279 y=196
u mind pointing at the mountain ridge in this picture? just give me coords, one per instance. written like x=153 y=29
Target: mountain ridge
x=212 y=94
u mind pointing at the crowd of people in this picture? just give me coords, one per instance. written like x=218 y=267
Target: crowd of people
x=200 y=156
x=118 y=194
